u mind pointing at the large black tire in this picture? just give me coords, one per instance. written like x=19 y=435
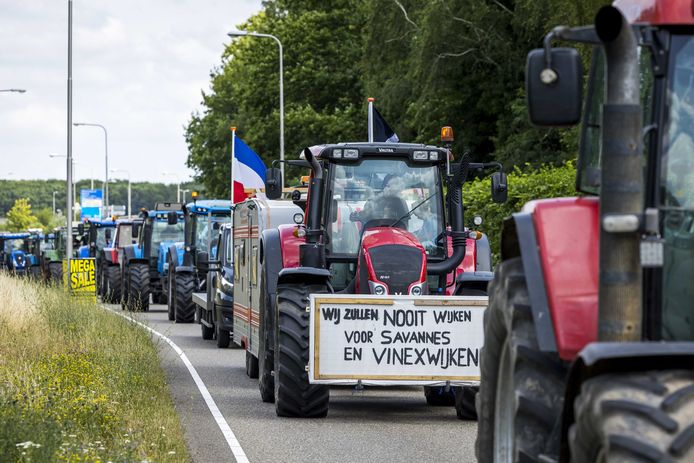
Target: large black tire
x=138 y=287
x=222 y=336
x=294 y=396
x=251 y=365
x=465 y=402
x=35 y=272
x=55 y=269
x=639 y=417
x=184 y=308
x=113 y=284
x=438 y=396
x=266 y=359
x=526 y=383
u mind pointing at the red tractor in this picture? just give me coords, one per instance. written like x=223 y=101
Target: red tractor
x=377 y=240
x=588 y=352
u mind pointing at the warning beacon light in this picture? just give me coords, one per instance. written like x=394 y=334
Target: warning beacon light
x=447 y=134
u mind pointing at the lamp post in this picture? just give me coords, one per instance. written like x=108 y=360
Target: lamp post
x=113 y=171
x=90 y=124
x=238 y=33
x=183 y=195
x=13 y=90
x=54 y=202
x=71 y=176
x=178 y=185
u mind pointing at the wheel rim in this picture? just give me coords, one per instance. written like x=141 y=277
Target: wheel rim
x=504 y=408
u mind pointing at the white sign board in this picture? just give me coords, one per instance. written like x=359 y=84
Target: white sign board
x=395 y=340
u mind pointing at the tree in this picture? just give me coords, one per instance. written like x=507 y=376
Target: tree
x=20 y=217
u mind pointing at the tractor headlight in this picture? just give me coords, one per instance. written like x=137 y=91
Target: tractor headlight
x=417 y=290
x=379 y=289
x=420 y=155
x=433 y=155
x=351 y=154
x=337 y=153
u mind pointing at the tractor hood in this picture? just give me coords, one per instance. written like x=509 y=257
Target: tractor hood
x=391 y=261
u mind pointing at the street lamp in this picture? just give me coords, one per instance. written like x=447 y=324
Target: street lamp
x=183 y=194
x=72 y=178
x=13 y=90
x=89 y=124
x=113 y=171
x=238 y=33
x=178 y=185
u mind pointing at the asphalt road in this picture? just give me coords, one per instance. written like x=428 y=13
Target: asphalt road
x=376 y=425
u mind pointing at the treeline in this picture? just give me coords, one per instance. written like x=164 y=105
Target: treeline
x=427 y=63
x=40 y=193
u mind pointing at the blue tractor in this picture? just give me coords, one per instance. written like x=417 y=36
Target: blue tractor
x=98 y=236
x=143 y=270
x=19 y=253
x=188 y=262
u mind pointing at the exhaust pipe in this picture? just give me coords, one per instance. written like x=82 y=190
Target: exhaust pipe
x=455 y=204
x=620 y=300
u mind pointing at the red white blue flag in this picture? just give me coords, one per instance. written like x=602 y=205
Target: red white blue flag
x=248 y=170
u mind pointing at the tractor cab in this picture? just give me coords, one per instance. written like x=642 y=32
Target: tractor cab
x=380 y=221
x=16 y=252
x=98 y=235
x=203 y=219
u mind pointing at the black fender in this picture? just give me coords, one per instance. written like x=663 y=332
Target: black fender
x=598 y=358
x=307 y=275
x=477 y=281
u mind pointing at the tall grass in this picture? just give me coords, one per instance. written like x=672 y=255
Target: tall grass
x=78 y=383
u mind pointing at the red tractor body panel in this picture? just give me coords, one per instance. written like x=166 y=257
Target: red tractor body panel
x=567 y=237
x=657 y=12
x=382 y=236
x=290 y=245
x=469 y=263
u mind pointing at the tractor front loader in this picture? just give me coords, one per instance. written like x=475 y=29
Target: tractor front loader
x=589 y=336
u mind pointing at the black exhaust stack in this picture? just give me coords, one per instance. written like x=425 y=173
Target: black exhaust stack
x=621 y=196
x=312 y=254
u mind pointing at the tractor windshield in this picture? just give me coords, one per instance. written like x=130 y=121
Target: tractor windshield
x=379 y=192
x=101 y=241
x=677 y=193
x=203 y=233
x=162 y=231
x=14 y=244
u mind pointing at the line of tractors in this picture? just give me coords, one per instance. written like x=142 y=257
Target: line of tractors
x=587 y=342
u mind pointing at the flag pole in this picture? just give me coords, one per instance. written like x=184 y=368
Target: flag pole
x=371 y=120
x=233 y=154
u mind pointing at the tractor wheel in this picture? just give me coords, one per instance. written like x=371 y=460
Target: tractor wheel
x=465 y=402
x=521 y=389
x=223 y=336
x=171 y=295
x=55 y=270
x=138 y=287
x=113 y=288
x=251 y=365
x=266 y=360
x=438 y=396
x=640 y=417
x=184 y=309
x=35 y=272
x=294 y=396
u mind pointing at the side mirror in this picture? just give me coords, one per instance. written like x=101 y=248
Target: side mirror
x=80 y=229
x=216 y=225
x=203 y=258
x=554 y=87
x=135 y=229
x=273 y=183
x=172 y=218
x=499 y=187
x=107 y=233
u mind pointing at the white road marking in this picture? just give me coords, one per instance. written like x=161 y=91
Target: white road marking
x=229 y=435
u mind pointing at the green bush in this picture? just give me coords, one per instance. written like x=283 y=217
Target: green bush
x=523 y=186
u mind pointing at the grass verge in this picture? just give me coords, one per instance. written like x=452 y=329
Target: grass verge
x=78 y=383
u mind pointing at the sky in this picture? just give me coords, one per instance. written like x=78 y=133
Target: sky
x=139 y=67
